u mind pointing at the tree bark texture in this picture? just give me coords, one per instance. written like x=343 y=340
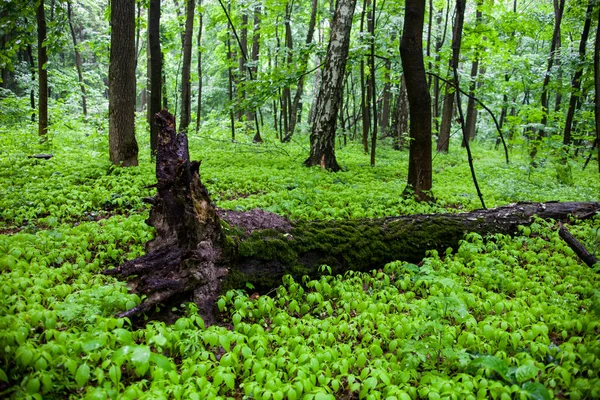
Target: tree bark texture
x=42 y=73
x=576 y=82
x=186 y=83
x=448 y=107
x=123 y=148
x=597 y=90
x=419 y=101
x=154 y=70
x=546 y=83
x=199 y=252
x=471 y=118
x=77 y=59
x=322 y=137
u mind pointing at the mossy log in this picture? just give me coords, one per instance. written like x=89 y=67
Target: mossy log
x=199 y=251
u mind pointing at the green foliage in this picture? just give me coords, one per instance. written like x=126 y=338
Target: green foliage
x=499 y=317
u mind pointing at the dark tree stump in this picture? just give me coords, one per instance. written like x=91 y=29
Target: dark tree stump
x=199 y=251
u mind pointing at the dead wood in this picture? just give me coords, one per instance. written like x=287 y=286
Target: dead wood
x=199 y=252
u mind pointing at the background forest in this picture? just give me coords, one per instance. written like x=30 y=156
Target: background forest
x=496 y=317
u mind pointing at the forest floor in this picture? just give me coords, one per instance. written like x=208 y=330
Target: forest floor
x=498 y=317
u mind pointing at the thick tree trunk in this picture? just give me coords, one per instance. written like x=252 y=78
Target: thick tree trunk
x=154 y=70
x=42 y=73
x=199 y=252
x=322 y=137
x=419 y=102
x=186 y=83
x=123 y=148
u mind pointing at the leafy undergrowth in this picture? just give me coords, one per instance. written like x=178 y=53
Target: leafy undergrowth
x=499 y=317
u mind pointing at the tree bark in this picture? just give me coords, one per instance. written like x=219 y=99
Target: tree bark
x=77 y=59
x=154 y=70
x=471 y=118
x=364 y=91
x=123 y=148
x=448 y=108
x=544 y=97
x=597 y=90
x=322 y=137
x=419 y=101
x=199 y=51
x=186 y=83
x=576 y=82
x=296 y=109
x=42 y=73
x=199 y=252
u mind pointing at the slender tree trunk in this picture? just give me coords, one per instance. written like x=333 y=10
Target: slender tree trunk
x=121 y=76
x=322 y=137
x=545 y=84
x=77 y=58
x=42 y=73
x=559 y=73
x=371 y=25
x=576 y=82
x=296 y=109
x=186 y=83
x=199 y=51
x=471 y=119
x=439 y=42
x=444 y=135
x=364 y=90
x=230 y=91
x=251 y=114
x=597 y=89
x=384 y=118
x=411 y=50
x=32 y=68
x=155 y=73
x=241 y=93
x=286 y=98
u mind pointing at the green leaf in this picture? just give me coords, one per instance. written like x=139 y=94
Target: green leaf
x=493 y=363
x=82 y=375
x=161 y=361
x=140 y=357
x=526 y=372
x=33 y=386
x=536 y=390
x=3 y=376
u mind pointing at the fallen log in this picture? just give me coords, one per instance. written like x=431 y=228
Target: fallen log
x=199 y=251
x=577 y=246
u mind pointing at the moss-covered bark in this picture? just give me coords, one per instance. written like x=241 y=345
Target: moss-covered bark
x=262 y=257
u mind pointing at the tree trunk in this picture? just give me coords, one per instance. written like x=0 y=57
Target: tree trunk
x=444 y=135
x=597 y=90
x=576 y=82
x=322 y=137
x=471 y=118
x=154 y=70
x=364 y=91
x=77 y=59
x=371 y=25
x=253 y=68
x=557 y=60
x=384 y=117
x=42 y=73
x=186 y=83
x=192 y=258
x=296 y=109
x=199 y=50
x=419 y=101
x=243 y=43
x=545 y=84
x=123 y=148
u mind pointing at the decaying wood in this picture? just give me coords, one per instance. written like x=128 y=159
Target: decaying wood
x=577 y=247
x=199 y=252
x=41 y=156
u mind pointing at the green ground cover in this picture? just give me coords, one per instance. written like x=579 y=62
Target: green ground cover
x=500 y=317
